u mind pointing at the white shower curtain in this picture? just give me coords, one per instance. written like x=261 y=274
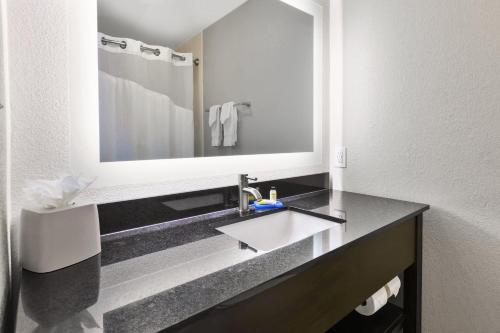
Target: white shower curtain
x=146 y=103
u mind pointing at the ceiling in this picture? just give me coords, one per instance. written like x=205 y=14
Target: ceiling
x=161 y=22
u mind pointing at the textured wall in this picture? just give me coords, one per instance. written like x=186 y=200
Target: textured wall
x=38 y=97
x=422 y=122
x=4 y=254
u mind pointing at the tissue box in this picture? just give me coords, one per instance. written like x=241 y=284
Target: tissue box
x=57 y=238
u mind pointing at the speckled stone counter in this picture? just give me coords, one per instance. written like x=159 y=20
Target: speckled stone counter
x=149 y=279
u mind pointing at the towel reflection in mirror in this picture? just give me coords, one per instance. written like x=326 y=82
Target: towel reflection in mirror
x=229 y=120
x=223 y=123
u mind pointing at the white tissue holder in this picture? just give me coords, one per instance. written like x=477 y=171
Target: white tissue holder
x=57 y=238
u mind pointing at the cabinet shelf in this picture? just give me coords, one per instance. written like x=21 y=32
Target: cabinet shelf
x=389 y=319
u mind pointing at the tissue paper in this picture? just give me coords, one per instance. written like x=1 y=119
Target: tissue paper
x=379 y=299
x=393 y=287
x=374 y=303
x=56 y=193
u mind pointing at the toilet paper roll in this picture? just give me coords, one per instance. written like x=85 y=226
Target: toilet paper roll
x=393 y=287
x=374 y=303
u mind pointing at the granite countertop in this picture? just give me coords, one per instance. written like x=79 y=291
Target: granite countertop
x=151 y=278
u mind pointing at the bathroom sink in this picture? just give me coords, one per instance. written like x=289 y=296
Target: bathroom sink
x=276 y=230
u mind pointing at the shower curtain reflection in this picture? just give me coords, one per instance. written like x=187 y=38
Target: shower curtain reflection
x=146 y=102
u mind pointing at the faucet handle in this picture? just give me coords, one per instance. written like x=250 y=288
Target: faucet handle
x=243 y=179
x=253 y=179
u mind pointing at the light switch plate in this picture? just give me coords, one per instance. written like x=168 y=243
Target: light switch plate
x=340 y=157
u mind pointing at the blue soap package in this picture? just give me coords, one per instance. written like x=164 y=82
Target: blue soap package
x=267 y=205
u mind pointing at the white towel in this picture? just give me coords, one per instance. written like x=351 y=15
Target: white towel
x=229 y=119
x=215 y=125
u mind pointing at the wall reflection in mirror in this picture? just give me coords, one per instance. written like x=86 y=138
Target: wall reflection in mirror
x=192 y=78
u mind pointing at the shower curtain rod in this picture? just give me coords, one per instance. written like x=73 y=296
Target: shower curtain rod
x=123 y=44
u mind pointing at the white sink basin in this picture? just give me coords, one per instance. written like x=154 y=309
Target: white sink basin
x=276 y=230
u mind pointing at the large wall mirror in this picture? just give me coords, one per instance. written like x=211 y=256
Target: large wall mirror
x=198 y=78
x=164 y=90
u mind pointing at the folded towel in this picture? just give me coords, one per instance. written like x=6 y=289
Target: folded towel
x=229 y=119
x=215 y=125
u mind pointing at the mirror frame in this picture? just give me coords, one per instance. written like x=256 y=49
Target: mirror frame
x=84 y=104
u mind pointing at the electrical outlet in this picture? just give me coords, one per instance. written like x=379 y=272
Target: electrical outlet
x=340 y=157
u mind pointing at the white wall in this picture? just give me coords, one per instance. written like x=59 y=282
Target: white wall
x=4 y=235
x=421 y=120
x=36 y=46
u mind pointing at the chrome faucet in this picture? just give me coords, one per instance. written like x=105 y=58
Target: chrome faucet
x=244 y=190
